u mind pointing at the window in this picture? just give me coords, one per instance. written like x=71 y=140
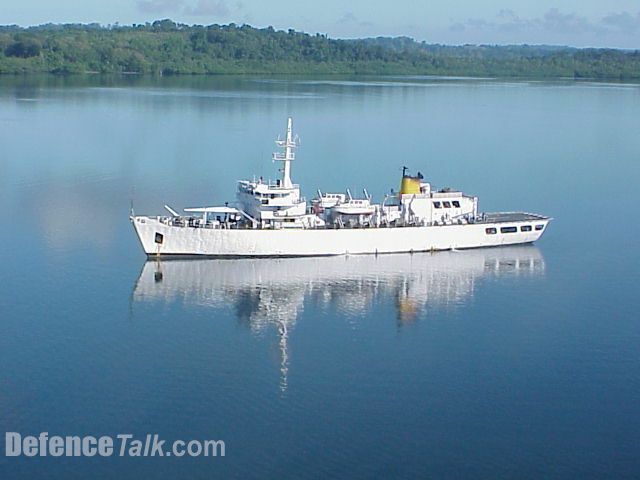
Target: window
x=159 y=238
x=437 y=205
x=539 y=227
x=490 y=231
x=525 y=228
x=508 y=230
x=446 y=204
x=456 y=203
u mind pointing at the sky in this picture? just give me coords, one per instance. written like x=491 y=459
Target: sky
x=582 y=23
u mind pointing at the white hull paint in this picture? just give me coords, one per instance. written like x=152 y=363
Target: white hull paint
x=222 y=242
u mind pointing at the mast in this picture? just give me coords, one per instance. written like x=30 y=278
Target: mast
x=287 y=155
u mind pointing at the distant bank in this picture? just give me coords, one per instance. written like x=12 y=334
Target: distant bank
x=164 y=47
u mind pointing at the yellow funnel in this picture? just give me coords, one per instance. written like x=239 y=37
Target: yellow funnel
x=409 y=185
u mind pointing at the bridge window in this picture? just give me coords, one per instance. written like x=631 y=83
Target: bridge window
x=446 y=204
x=490 y=231
x=508 y=230
x=539 y=227
x=437 y=205
x=525 y=228
x=456 y=204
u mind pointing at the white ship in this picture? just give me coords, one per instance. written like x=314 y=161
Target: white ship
x=272 y=219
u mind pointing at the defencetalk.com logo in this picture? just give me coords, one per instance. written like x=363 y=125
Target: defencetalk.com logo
x=122 y=445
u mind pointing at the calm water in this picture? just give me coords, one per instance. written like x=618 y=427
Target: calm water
x=521 y=362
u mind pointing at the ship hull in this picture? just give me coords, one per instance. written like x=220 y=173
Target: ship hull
x=160 y=239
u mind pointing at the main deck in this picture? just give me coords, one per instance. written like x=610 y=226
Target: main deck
x=485 y=218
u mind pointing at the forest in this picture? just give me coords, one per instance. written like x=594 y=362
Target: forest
x=164 y=47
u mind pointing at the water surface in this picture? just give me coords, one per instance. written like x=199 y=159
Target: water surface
x=518 y=362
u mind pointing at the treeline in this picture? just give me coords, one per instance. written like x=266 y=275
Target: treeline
x=164 y=47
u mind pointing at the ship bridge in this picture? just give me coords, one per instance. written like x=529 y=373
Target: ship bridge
x=278 y=204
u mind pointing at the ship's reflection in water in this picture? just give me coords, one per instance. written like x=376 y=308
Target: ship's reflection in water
x=272 y=293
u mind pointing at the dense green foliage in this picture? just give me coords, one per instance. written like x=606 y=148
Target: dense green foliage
x=165 y=47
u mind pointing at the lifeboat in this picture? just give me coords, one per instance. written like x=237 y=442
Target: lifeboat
x=355 y=207
x=329 y=200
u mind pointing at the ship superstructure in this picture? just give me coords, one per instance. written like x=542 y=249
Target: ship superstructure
x=277 y=204
x=272 y=218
